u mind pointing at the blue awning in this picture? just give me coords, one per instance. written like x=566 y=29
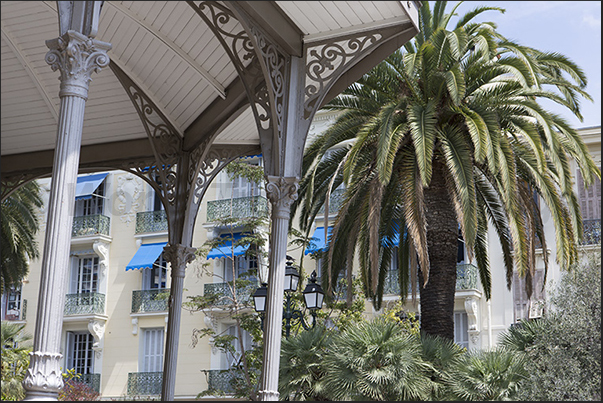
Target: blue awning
x=226 y=249
x=86 y=185
x=145 y=256
x=318 y=245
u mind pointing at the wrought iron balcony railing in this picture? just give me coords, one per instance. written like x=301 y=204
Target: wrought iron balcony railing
x=87 y=303
x=86 y=225
x=92 y=380
x=224 y=294
x=17 y=314
x=237 y=208
x=335 y=202
x=150 y=300
x=219 y=379
x=466 y=278
x=151 y=221
x=144 y=383
x=592 y=232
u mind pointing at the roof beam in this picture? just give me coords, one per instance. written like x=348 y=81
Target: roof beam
x=276 y=23
x=10 y=41
x=94 y=155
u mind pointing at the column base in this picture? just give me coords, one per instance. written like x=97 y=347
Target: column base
x=39 y=396
x=268 y=395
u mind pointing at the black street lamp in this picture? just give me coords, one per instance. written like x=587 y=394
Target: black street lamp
x=313 y=297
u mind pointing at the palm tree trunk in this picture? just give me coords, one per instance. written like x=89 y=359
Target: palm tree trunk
x=437 y=298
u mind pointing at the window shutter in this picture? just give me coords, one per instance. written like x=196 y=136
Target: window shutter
x=75 y=266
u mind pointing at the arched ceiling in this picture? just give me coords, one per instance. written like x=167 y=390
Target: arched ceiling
x=167 y=50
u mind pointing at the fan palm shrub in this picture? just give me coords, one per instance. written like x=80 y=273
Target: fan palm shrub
x=447 y=133
x=376 y=361
x=301 y=369
x=486 y=375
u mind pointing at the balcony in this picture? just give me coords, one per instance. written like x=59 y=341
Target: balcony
x=335 y=202
x=237 y=208
x=592 y=232
x=17 y=314
x=220 y=379
x=90 y=225
x=144 y=383
x=466 y=279
x=92 y=380
x=88 y=303
x=223 y=292
x=150 y=300
x=151 y=221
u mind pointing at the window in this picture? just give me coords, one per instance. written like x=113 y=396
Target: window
x=155 y=278
x=84 y=275
x=152 y=350
x=245 y=266
x=239 y=187
x=154 y=199
x=80 y=355
x=521 y=302
x=461 y=337
x=11 y=304
x=93 y=205
x=590 y=198
x=231 y=360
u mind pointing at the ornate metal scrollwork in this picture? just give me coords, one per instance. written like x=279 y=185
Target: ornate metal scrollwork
x=239 y=47
x=277 y=66
x=325 y=62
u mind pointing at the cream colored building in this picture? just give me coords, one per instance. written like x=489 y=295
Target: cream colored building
x=116 y=313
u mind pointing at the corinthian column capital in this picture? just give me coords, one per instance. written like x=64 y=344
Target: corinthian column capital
x=76 y=56
x=282 y=192
x=179 y=256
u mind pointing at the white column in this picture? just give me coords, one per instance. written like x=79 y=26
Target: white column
x=281 y=191
x=178 y=256
x=76 y=56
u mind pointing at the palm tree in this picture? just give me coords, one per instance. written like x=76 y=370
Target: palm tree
x=447 y=133
x=376 y=361
x=19 y=227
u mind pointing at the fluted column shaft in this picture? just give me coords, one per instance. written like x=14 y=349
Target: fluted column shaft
x=282 y=192
x=178 y=256
x=76 y=56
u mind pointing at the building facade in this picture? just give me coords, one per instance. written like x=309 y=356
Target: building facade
x=116 y=309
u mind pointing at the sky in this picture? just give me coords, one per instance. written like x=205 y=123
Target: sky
x=572 y=28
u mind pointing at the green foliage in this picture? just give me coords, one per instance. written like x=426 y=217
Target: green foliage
x=74 y=389
x=16 y=347
x=408 y=320
x=376 y=361
x=234 y=299
x=563 y=349
x=487 y=375
x=19 y=221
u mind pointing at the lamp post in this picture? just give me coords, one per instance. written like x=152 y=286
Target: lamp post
x=313 y=297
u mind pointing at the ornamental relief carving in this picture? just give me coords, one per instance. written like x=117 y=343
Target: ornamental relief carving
x=76 y=57
x=129 y=191
x=44 y=372
x=282 y=192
